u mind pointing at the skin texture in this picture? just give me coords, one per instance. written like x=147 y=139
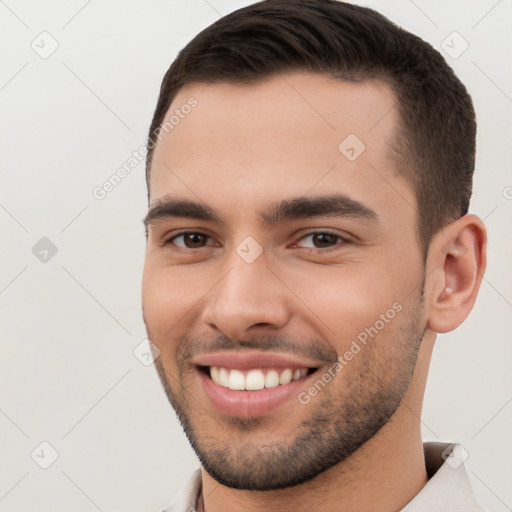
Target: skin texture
x=356 y=445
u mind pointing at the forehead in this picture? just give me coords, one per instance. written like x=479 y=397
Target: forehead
x=289 y=135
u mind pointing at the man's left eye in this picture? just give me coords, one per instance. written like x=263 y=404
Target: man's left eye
x=319 y=240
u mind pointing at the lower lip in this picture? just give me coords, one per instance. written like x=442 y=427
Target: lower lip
x=248 y=404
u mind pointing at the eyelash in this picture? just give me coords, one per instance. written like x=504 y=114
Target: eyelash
x=310 y=250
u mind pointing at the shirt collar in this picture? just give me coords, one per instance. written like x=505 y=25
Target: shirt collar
x=448 y=488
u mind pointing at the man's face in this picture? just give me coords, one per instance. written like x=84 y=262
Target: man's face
x=273 y=253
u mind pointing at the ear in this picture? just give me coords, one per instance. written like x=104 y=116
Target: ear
x=455 y=266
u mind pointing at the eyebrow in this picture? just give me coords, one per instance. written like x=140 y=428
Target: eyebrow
x=169 y=208
x=336 y=205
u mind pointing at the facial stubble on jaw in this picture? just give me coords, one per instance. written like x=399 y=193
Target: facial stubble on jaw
x=337 y=426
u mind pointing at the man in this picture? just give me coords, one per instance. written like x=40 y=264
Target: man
x=309 y=174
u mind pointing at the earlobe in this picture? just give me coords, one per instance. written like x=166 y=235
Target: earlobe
x=457 y=259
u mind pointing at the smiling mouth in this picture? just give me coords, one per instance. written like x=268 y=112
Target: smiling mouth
x=254 y=379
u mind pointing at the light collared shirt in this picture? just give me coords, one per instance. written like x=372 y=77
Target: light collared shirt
x=447 y=490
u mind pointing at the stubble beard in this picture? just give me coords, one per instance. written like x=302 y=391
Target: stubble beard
x=337 y=425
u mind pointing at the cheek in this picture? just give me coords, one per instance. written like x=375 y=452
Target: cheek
x=344 y=302
x=163 y=310
x=162 y=301
x=171 y=297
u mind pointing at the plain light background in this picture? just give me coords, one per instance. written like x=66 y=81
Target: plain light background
x=70 y=325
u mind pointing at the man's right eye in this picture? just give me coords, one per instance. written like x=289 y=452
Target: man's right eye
x=190 y=240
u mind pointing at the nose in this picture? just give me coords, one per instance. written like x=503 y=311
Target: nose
x=248 y=298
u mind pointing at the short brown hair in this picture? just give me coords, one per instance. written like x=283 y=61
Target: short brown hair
x=435 y=145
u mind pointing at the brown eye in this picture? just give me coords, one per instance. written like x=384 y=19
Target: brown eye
x=190 y=240
x=324 y=239
x=321 y=240
x=194 y=240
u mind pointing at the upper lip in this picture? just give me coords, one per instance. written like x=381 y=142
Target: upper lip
x=253 y=359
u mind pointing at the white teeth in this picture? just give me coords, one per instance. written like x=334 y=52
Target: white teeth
x=223 y=378
x=236 y=380
x=285 y=377
x=271 y=379
x=255 y=379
